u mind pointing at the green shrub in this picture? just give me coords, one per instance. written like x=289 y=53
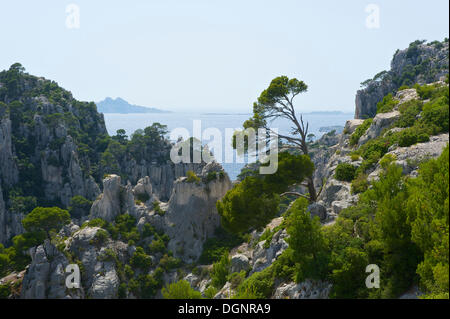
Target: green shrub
x=180 y=290
x=215 y=247
x=211 y=176
x=168 y=262
x=345 y=172
x=157 y=246
x=387 y=104
x=5 y=291
x=140 y=259
x=236 y=279
x=360 y=184
x=387 y=160
x=158 y=209
x=408 y=113
x=79 y=206
x=436 y=113
x=411 y=136
x=359 y=131
x=258 y=286
x=101 y=236
x=354 y=157
x=143 y=197
x=220 y=271
x=192 y=177
x=210 y=292
x=122 y=291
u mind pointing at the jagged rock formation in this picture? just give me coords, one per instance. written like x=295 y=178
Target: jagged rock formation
x=191 y=215
x=46 y=276
x=53 y=147
x=419 y=63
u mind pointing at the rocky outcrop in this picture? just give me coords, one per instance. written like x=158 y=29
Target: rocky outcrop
x=108 y=205
x=305 y=290
x=380 y=122
x=10 y=222
x=419 y=63
x=191 y=216
x=46 y=276
x=9 y=173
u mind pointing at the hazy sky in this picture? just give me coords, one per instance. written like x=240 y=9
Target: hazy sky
x=213 y=56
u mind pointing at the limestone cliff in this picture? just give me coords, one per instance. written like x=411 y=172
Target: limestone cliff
x=419 y=63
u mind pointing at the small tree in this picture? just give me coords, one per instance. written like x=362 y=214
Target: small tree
x=277 y=102
x=79 y=206
x=180 y=290
x=46 y=219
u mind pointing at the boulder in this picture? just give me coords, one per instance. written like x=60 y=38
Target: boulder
x=239 y=263
x=318 y=209
x=307 y=289
x=107 y=207
x=351 y=125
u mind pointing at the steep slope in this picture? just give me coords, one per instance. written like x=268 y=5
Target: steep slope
x=53 y=147
x=419 y=63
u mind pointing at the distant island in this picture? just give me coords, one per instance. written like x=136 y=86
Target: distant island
x=119 y=105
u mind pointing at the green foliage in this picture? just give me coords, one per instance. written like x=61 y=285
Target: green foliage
x=143 y=197
x=220 y=271
x=158 y=209
x=306 y=241
x=168 y=262
x=157 y=246
x=180 y=290
x=360 y=184
x=210 y=292
x=345 y=172
x=410 y=136
x=215 y=247
x=349 y=274
x=192 y=177
x=5 y=291
x=247 y=206
x=140 y=259
x=101 y=236
x=21 y=204
x=211 y=176
x=252 y=203
x=359 y=131
x=125 y=227
x=408 y=113
x=79 y=206
x=258 y=286
x=387 y=104
x=46 y=219
x=428 y=215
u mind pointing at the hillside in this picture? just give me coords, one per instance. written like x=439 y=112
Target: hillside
x=420 y=63
x=139 y=226
x=119 y=105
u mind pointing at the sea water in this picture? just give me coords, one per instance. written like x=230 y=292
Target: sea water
x=221 y=121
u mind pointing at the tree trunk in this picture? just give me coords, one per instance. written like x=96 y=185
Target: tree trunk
x=312 y=190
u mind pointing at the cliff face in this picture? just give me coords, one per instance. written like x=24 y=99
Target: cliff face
x=53 y=147
x=419 y=63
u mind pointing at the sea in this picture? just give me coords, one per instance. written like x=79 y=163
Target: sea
x=319 y=124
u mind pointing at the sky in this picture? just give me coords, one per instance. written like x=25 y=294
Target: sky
x=210 y=55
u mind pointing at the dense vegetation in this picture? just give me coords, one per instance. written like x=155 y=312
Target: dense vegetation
x=252 y=203
x=400 y=224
